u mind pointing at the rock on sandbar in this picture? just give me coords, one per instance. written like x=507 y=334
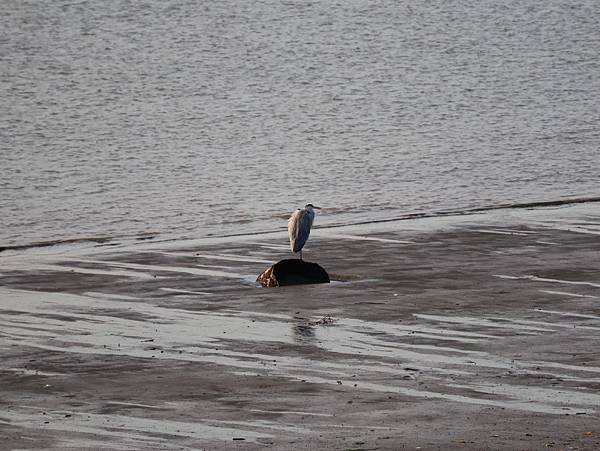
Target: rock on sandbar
x=292 y=272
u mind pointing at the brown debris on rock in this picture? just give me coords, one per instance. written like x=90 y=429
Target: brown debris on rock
x=292 y=272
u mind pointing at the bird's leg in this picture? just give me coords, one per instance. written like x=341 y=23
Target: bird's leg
x=300 y=254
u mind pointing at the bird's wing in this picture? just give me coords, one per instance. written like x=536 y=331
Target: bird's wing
x=299 y=226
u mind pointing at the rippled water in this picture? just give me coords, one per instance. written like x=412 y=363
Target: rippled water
x=195 y=117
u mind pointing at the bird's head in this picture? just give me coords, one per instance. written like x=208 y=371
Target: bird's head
x=311 y=206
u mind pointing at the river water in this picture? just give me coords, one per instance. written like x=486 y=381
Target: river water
x=190 y=118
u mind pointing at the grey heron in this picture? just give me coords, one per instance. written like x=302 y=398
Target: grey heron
x=299 y=226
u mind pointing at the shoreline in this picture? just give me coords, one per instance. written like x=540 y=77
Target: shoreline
x=142 y=236
x=462 y=332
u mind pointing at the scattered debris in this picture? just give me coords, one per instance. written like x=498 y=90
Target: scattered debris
x=327 y=320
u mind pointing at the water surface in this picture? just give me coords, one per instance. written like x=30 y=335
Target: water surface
x=193 y=118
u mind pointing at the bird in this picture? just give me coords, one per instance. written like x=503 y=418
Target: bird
x=299 y=226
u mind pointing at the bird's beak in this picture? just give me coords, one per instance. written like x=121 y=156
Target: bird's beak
x=318 y=208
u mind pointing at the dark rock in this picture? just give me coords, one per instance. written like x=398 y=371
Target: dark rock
x=293 y=272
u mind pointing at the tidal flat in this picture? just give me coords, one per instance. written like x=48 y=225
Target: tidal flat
x=477 y=331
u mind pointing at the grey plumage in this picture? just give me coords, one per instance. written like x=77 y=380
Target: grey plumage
x=299 y=226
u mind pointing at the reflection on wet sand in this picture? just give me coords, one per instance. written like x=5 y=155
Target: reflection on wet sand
x=304 y=333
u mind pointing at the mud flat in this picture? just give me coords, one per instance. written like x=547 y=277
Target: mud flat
x=472 y=332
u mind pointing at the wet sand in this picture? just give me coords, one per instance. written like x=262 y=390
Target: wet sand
x=467 y=332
